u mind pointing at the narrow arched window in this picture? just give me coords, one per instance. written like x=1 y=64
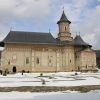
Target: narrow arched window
x=9 y=62
x=27 y=60
x=37 y=61
x=65 y=28
x=49 y=60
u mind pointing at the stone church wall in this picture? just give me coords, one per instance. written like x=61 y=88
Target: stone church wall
x=38 y=58
x=46 y=58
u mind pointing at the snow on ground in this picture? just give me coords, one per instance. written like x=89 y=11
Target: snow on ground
x=51 y=79
x=93 y=95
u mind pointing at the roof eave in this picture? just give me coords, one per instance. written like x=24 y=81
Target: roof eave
x=60 y=21
x=82 y=45
x=28 y=43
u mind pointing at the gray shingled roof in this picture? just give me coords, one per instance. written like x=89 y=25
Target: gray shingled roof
x=79 y=41
x=97 y=53
x=39 y=38
x=63 y=19
x=29 y=37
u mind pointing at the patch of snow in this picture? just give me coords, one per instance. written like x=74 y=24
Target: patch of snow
x=93 y=95
x=51 y=79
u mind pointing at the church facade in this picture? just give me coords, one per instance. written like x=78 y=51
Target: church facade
x=41 y=52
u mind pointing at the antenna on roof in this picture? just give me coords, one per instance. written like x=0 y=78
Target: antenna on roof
x=11 y=28
x=49 y=30
x=76 y=33
x=79 y=33
x=63 y=8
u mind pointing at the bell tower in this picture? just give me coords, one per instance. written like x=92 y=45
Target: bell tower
x=64 y=28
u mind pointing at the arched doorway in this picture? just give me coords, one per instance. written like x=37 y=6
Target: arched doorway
x=14 y=69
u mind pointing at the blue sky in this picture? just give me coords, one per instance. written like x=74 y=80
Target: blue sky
x=42 y=15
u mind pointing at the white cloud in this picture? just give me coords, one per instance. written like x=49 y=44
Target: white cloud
x=13 y=10
x=84 y=19
x=24 y=8
x=90 y=28
x=98 y=0
x=90 y=38
x=76 y=9
x=32 y=8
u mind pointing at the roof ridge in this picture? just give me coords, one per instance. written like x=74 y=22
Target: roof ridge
x=30 y=32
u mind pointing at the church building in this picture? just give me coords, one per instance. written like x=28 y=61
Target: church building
x=41 y=52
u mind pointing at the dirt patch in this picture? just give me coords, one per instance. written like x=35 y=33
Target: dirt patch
x=81 y=89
